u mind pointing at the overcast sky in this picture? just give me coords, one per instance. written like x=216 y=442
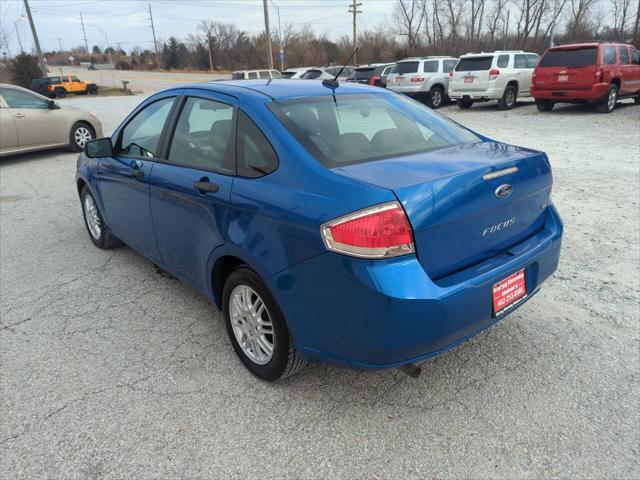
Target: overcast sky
x=127 y=22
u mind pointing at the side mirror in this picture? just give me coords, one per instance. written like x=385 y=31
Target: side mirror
x=52 y=105
x=100 y=147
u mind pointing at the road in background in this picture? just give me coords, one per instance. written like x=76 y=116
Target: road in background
x=139 y=81
x=113 y=369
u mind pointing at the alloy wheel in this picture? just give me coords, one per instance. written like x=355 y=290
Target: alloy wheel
x=251 y=324
x=511 y=97
x=92 y=217
x=611 y=101
x=436 y=98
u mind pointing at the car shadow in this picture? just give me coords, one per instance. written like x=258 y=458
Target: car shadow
x=33 y=156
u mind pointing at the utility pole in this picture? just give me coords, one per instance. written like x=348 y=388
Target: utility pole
x=279 y=36
x=43 y=63
x=506 y=33
x=553 y=22
x=15 y=24
x=84 y=33
x=59 y=43
x=268 y=33
x=155 y=43
x=353 y=8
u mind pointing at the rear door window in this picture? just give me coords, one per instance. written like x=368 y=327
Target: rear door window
x=635 y=56
x=430 y=66
x=265 y=74
x=237 y=76
x=580 y=57
x=255 y=155
x=405 y=67
x=503 y=61
x=624 y=55
x=520 y=61
x=608 y=55
x=449 y=65
x=474 y=64
x=532 y=60
x=252 y=75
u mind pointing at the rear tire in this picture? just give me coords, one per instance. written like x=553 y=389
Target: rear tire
x=636 y=100
x=509 y=97
x=92 y=90
x=608 y=103
x=249 y=307
x=436 y=97
x=60 y=93
x=96 y=228
x=464 y=103
x=544 y=105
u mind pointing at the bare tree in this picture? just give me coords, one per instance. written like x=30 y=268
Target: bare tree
x=407 y=17
x=621 y=16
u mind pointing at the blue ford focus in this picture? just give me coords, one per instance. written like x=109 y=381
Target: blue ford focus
x=330 y=223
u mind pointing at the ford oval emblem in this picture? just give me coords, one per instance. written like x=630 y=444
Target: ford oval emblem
x=503 y=191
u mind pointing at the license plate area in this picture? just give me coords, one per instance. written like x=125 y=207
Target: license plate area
x=400 y=79
x=468 y=79
x=509 y=292
x=563 y=78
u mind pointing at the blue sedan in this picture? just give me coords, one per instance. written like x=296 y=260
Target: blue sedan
x=330 y=223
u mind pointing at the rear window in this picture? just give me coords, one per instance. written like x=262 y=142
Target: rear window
x=430 y=67
x=581 y=57
x=311 y=74
x=363 y=73
x=352 y=129
x=288 y=74
x=474 y=64
x=405 y=67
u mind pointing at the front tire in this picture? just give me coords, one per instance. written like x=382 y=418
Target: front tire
x=436 y=97
x=509 y=97
x=98 y=231
x=60 y=93
x=544 y=105
x=608 y=103
x=257 y=328
x=79 y=135
x=464 y=103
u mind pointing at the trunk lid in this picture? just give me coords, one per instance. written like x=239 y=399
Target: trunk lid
x=456 y=217
x=567 y=69
x=472 y=74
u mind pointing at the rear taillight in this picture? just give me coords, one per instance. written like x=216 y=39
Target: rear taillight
x=382 y=231
x=533 y=77
x=418 y=79
x=372 y=80
x=493 y=73
x=451 y=73
x=599 y=75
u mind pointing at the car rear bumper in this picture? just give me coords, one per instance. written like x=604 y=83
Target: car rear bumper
x=383 y=314
x=410 y=90
x=596 y=92
x=478 y=95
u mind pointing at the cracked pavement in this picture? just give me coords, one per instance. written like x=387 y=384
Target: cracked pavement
x=109 y=369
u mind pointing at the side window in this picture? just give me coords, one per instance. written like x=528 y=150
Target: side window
x=608 y=55
x=141 y=136
x=264 y=74
x=275 y=74
x=75 y=79
x=624 y=55
x=430 y=67
x=252 y=75
x=532 y=60
x=255 y=154
x=19 y=99
x=54 y=80
x=503 y=61
x=635 y=56
x=202 y=138
x=449 y=65
x=520 y=61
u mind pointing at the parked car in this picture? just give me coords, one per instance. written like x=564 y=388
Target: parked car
x=385 y=74
x=348 y=225
x=60 y=86
x=295 y=73
x=327 y=73
x=370 y=74
x=254 y=74
x=29 y=121
x=600 y=73
x=504 y=75
x=424 y=78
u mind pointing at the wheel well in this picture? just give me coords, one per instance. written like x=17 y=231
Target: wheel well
x=438 y=85
x=221 y=270
x=81 y=184
x=514 y=83
x=616 y=82
x=86 y=124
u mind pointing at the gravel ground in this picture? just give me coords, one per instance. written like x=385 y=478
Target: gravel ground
x=110 y=369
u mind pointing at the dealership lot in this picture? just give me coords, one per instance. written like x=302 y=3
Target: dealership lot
x=110 y=368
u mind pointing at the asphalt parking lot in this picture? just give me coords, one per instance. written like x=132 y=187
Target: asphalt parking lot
x=111 y=369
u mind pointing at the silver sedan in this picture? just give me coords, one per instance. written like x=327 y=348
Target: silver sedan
x=29 y=122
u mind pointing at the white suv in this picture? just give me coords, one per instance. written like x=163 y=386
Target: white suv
x=424 y=78
x=504 y=75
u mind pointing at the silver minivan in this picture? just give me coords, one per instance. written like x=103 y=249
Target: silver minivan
x=255 y=74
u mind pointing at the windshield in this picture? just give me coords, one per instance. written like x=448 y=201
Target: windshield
x=360 y=128
x=474 y=64
x=570 y=58
x=405 y=67
x=363 y=73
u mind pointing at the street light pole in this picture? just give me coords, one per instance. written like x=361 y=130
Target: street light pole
x=268 y=33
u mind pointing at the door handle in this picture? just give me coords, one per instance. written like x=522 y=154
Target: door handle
x=19 y=115
x=205 y=186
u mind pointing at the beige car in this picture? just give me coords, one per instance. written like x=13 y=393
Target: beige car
x=29 y=121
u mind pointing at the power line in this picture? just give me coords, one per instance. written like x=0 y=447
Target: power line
x=353 y=9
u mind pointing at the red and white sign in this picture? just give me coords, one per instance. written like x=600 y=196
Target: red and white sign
x=509 y=292
x=563 y=78
x=399 y=79
x=468 y=79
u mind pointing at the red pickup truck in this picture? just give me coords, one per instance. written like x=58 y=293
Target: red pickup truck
x=600 y=73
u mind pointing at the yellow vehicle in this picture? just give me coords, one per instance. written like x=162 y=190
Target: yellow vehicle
x=59 y=87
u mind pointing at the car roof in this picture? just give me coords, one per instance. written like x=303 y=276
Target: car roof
x=574 y=46
x=278 y=89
